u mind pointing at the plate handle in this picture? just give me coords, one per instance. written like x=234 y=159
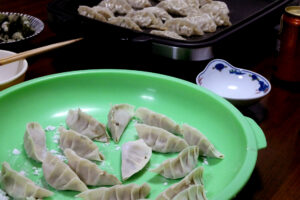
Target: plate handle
x=261 y=141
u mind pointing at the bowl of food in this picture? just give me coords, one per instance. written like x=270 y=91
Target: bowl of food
x=56 y=101
x=12 y=73
x=15 y=27
x=239 y=86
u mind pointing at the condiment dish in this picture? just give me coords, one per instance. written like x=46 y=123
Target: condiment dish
x=239 y=86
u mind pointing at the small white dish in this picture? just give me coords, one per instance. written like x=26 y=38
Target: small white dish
x=12 y=73
x=239 y=86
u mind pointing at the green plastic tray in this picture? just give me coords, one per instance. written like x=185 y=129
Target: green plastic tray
x=47 y=99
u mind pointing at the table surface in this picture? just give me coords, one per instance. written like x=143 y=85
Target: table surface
x=277 y=171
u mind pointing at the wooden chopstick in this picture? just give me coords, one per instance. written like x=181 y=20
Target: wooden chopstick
x=36 y=51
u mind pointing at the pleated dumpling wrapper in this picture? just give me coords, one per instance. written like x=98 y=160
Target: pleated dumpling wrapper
x=135 y=156
x=130 y=191
x=88 y=171
x=152 y=118
x=81 y=144
x=179 y=166
x=86 y=125
x=35 y=141
x=193 y=178
x=195 y=137
x=20 y=187
x=159 y=139
x=195 y=192
x=60 y=176
x=118 y=118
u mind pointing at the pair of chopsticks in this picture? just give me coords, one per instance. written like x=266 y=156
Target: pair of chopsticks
x=36 y=51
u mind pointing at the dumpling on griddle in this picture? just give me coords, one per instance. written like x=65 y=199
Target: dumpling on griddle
x=121 y=7
x=106 y=12
x=183 y=26
x=204 y=21
x=218 y=11
x=90 y=13
x=159 y=13
x=145 y=19
x=124 y=22
x=139 y=4
x=176 y=7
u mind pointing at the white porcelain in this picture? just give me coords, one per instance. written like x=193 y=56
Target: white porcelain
x=12 y=73
x=239 y=86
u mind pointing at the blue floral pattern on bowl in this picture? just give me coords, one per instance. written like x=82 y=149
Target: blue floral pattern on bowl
x=233 y=83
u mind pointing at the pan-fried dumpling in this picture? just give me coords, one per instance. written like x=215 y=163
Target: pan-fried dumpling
x=169 y=34
x=91 y=13
x=193 y=178
x=88 y=171
x=81 y=144
x=86 y=125
x=106 y=12
x=145 y=19
x=20 y=187
x=180 y=166
x=193 y=3
x=159 y=13
x=116 y=6
x=35 y=141
x=195 y=192
x=218 y=11
x=159 y=139
x=118 y=192
x=60 y=176
x=139 y=4
x=124 y=22
x=176 y=7
x=152 y=118
x=183 y=26
x=195 y=137
x=135 y=156
x=118 y=118
x=204 y=22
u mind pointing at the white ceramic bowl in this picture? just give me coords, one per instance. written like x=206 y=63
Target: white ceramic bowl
x=12 y=73
x=239 y=86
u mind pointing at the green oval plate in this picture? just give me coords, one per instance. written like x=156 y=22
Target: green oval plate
x=47 y=99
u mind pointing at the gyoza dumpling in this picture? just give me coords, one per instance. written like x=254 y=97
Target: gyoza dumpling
x=90 y=13
x=193 y=178
x=86 y=125
x=169 y=34
x=139 y=4
x=60 y=176
x=183 y=26
x=159 y=13
x=106 y=12
x=177 y=7
x=88 y=171
x=202 y=2
x=135 y=156
x=20 y=187
x=81 y=144
x=152 y=118
x=145 y=19
x=180 y=166
x=118 y=118
x=116 y=6
x=204 y=22
x=35 y=141
x=159 y=139
x=219 y=11
x=124 y=22
x=193 y=3
x=195 y=192
x=195 y=137
x=118 y=192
